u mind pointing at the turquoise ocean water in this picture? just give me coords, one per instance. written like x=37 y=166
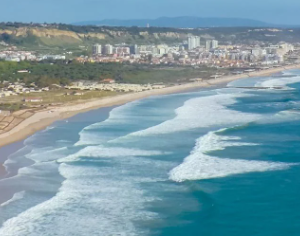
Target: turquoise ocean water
x=217 y=162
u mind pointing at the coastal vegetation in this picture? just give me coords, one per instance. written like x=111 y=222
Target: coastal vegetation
x=47 y=73
x=57 y=74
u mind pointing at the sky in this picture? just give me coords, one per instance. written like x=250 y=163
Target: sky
x=71 y=11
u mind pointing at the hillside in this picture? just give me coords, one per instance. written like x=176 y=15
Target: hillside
x=58 y=36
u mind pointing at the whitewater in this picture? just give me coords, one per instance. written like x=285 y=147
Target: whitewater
x=219 y=161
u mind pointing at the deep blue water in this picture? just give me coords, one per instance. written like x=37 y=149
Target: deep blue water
x=218 y=162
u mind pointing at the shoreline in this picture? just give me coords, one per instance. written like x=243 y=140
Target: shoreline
x=44 y=118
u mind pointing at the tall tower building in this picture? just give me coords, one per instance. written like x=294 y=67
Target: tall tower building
x=134 y=49
x=97 y=49
x=208 y=44
x=193 y=42
x=214 y=44
x=108 y=49
x=198 y=41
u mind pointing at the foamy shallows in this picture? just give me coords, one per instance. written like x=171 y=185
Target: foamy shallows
x=248 y=82
x=142 y=170
x=200 y=165
x=279 y=82
x=109 y=203
x=201 y=112
x=132 y=117
x=109 y=152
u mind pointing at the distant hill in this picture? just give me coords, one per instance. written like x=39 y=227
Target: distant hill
x=180 y=22
x=79 y=39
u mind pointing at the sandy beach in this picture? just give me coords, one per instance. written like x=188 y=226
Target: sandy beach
x=44 y=118
x=12 y=140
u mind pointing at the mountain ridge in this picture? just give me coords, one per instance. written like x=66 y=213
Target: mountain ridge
x=180 y=22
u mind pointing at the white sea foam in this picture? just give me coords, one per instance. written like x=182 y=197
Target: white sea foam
x=46 y=154
x=39 y=169
x=106 y=152
x=49 y=128
x=17 y=196
x=202 y=112
x=279 y=82
x=199 y=165
x=87 y=204
x=280 y=117
x=245 y=82
x=88 y=138
x=213 y=142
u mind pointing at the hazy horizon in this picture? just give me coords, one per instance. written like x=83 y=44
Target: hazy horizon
x=276 y=11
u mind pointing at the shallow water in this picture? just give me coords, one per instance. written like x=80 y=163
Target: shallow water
x=212 y=162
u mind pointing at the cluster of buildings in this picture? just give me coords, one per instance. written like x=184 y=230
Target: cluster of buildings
x=17 y=56
x=239 y=55
x=110 y=85
x=18 y=88
x=193 y=52
x=108 y=49
x=195 y=42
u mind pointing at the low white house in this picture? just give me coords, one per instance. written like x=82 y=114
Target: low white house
x=4 y=113
x=33 y=99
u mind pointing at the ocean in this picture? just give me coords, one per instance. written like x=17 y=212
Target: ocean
x=212 y=162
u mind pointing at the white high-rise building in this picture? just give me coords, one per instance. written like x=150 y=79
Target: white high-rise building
x=214 y=43
x=108 y=49
x=198 y=41
x=193 y=42
x=97 y=49
x=121 y=50
x=208 y=44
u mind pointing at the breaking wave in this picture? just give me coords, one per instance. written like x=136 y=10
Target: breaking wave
x=200 y=165
x=282 y=82
x=200 y=113
x=86 y=204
